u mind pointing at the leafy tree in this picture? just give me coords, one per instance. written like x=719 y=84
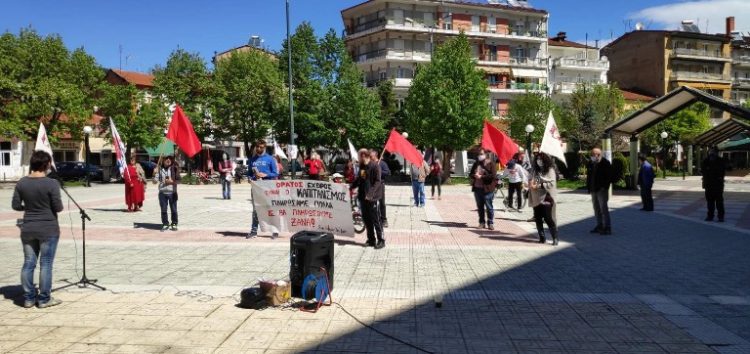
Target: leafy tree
x=588 y=111
x=250 y=93
x=530 y=108
x=447 y=101
x=140 y=120
x=389 y=111
x=185 y=80
x=41 y=80
x=684 y=126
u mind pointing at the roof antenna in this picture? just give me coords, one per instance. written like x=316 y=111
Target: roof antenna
x=120 y=48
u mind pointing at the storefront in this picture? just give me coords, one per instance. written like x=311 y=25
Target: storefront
x=12 y=166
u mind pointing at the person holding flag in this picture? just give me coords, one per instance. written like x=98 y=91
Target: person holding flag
x=483 y=182
x=542 y=196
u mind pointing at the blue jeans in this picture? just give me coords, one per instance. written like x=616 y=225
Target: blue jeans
x=484 y=204
x=171 y=200
x=418 y=189
x=226 y=188
x=44 y=250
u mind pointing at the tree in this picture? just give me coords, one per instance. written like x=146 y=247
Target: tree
x=530 y=108
x=389 y=111
x=41 y=80
x=684 y=126
x=185 y=80
x=448 y=100
x=250 y=93
x=140 y=120
x=588 y=111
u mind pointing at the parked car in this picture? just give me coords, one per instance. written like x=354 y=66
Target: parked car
x=148 y=168
x=77 y=170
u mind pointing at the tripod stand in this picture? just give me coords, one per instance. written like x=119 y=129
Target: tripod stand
x=84 y=282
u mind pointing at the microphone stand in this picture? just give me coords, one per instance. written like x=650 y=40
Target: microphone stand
x=84 y=282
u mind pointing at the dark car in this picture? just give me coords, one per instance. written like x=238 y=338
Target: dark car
x=76 y=170
x=148 y=168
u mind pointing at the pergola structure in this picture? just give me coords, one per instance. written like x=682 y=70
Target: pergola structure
x=662 y=108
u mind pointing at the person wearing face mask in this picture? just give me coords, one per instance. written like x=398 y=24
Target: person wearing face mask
x=598 y=180
x=369 y=187
x=542 y=196
x=262 y=167
x=483 y=182
x=38 y=197
x=226 y=169
x=713 y=170
x=646 y=177
x=168 y=176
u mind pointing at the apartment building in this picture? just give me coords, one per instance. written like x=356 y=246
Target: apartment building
x=740 y=64
x=389 y=38
x=656 y=62
x=573 y=64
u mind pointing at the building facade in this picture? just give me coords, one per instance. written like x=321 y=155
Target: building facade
x=389 y=38
x=656 y=62
x=572 y=64
x=740 y=64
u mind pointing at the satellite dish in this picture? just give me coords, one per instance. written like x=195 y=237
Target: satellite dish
x=639 y=26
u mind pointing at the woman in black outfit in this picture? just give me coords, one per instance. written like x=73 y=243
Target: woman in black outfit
x=38 y=196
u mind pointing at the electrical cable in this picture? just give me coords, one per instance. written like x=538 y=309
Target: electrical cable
x=381 y=332
x=75 y=241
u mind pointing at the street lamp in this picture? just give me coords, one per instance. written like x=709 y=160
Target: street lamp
x=406 y=136
x=86 y=132
x=529 y=129
x=664 y=136
x=291 y=85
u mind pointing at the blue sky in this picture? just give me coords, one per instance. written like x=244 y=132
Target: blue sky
x=149 y=30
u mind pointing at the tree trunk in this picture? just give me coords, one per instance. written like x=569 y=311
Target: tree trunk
x=447 y=156
x=128 y=147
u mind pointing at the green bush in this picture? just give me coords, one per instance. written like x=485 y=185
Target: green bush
x=620 y=167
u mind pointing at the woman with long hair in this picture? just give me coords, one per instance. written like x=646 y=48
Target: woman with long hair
x=542 y=195
x=38 y=197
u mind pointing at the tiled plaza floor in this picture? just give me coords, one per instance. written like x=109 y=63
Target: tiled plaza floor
x=665 y=282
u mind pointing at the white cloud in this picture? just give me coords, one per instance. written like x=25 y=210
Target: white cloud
x=714 y=11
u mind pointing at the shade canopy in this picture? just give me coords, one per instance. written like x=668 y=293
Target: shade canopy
x=532 y=73
x=667 y=105
x=165 y=148
x=722 y=132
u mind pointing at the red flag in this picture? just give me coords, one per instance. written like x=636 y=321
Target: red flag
x=181 y=132
x=496 y=141
x=399 y=145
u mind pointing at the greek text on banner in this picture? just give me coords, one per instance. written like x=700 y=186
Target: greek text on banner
x=291 y=206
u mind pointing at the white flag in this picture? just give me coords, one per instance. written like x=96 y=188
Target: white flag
x=352 y=151
x=119 y=149
x=278 y=152
x=551 y=143
x=42 y=143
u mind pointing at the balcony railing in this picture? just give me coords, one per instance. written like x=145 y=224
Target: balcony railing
x=366 y=26
x=532 y=62
x=679 y=75
x=581 y=63
x=741 y=59
x=517 y=86
x=699 y=53
x=371 y=55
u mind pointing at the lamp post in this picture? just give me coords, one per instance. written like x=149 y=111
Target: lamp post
x=529 y=129
x=664 y=136
x=406 y=136
x=86 y=132
x=291 y=97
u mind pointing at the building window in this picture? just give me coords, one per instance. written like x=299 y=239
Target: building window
x=475 y=23
x=448 y=22
x=5 y=147
x=520 y=53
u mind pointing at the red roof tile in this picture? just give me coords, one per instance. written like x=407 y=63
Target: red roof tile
x=566 y=43
x=635 y=96
x=135 y=78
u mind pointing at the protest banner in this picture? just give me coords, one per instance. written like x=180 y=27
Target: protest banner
x=291 y=206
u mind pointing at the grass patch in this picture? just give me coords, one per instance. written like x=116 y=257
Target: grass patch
x=459 y=181
x=574 y=184
x=78 y=183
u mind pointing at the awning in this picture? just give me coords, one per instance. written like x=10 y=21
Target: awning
x=530 y=73
x=494 y=70
x=735 y=145
x=722 y=132
x=667 y=105
x=166 y=148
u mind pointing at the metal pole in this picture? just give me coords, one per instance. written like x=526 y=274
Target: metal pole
x=86 y=170
x=528 y=145
x=291 y=85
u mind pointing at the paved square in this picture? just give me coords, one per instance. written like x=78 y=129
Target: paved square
x=665 y=282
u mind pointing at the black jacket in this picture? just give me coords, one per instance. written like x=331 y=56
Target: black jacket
x=369 y=183
x=713 y=172
x=489 y=179
x=599 y=175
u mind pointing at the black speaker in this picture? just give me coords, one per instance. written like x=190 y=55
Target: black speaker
x=309 y=250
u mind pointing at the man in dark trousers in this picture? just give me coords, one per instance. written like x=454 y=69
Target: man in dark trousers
x=598 y=180
x=713 y=170
x=384 y=172
x=646 y=177
x=369 y=191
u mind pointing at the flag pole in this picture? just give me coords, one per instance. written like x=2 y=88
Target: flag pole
x=291 y=97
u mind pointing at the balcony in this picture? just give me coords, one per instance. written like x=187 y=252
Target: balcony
x=741 y=60
x=685 y=53
x=393 y=54
x=585 y=64
x=699 y=76
x=402 y=82
x=509 y=34
x=516 y=87
x=742 y=82
x=366 y=26
x=516 y=62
